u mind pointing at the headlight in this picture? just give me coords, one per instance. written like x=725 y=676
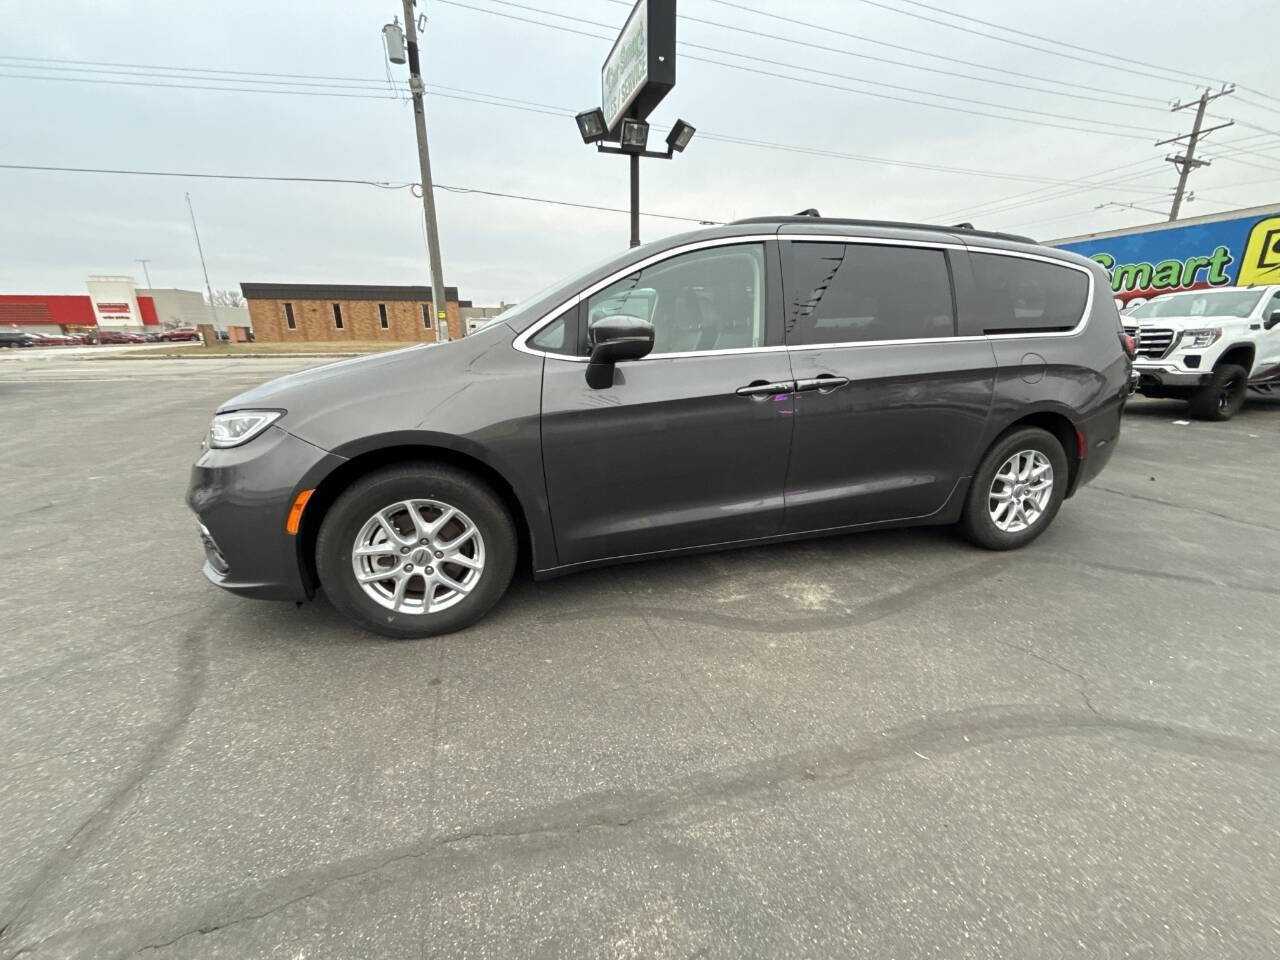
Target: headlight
x=240 y=426
x=1200 y=338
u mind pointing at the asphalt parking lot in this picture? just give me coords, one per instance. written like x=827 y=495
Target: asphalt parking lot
x=887 y=745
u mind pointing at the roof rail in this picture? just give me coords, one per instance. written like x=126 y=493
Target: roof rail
x=809 y=216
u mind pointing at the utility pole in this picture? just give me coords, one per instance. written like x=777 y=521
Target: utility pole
x=213 y=313
x=145 y=272
x=438 y=303
x=1186 y=162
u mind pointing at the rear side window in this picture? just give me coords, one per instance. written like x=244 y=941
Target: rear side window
x=848 y=293
x=1016 y=295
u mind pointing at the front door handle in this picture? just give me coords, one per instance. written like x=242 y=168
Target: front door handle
x=823 y=383
x=760 y=389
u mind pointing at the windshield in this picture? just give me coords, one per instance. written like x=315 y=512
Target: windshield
x=1206 y=303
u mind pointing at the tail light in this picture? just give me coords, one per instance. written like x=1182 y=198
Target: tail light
x=1130 y=345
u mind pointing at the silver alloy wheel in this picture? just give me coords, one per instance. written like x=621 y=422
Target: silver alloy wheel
x=418 y=556
x=1020 y=491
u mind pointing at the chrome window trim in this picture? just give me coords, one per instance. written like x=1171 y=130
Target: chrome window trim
x=521 y=342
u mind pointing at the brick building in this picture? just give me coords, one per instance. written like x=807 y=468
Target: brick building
x=300 y=312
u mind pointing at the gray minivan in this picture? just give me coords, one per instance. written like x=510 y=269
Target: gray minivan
x=766 y=380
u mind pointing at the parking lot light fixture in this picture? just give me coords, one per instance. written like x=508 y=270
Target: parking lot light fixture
x=634 y=137
x=680 y=136
x=592 y=126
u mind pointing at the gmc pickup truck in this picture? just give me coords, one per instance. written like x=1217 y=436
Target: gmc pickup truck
x=1208 y=347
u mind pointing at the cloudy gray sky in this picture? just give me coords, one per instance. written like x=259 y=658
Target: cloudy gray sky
x=864 y=155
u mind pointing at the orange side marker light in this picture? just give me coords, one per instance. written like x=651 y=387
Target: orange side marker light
x=295 y=512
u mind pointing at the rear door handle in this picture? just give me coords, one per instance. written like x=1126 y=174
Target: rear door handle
x=823 y=383
x=760 y=389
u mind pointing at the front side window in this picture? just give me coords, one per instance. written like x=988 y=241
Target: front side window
x=856 y=293
x=710 y=299
x=1017 y=295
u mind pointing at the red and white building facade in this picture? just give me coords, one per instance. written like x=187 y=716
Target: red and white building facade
x=113 y=303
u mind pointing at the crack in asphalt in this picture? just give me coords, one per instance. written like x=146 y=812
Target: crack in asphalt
x=193 y=669
x=1182 y=506
x=702 y=797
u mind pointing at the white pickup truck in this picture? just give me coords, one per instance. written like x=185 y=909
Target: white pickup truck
x=1208 y=347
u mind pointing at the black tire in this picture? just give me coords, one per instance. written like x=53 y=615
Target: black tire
x=371 y=493
x=976 y=522
x=1223 y=396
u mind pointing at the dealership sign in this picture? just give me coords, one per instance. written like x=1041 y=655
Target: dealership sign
x=641 y=67
x=1216 y=252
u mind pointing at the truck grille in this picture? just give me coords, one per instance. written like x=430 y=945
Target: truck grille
x=1153 y=342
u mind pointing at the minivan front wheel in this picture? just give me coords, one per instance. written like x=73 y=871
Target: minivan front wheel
x=416 y=550
x=1016 y=491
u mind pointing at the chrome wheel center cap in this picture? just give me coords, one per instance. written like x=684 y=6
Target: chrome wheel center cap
x=420 y=557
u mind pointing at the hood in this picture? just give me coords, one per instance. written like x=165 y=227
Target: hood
x=384 y=392
x=275 y=394
x=1184 y=323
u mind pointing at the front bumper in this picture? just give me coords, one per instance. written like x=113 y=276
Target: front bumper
x=241 y=497
x=1168 y=375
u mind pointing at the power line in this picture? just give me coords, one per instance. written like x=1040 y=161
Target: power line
x=756 y=71
x=1201 y=78
x=382 y=184
x=495 y=100
x=925 y=53
x=917 y=66
x=1017 y=43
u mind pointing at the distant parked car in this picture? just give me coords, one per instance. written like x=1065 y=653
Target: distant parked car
x=182 y=333
x=113 y=336
x=50 y=339
x=15 y=338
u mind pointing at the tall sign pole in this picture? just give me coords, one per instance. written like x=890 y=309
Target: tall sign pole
x=638 y=72
x=438 y=303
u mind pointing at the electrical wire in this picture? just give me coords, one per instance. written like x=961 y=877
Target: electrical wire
x=756 y=71
x=1157 y=104
x=382 y=184
x=495 y=100
x=1060 y=43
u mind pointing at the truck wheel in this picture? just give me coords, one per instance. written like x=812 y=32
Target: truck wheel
x=416 y=550
x=1016 y=491
x=1223 y=396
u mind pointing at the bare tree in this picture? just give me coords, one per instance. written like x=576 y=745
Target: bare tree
x=228 y=298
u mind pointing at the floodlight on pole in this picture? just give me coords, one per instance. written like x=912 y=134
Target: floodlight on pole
x=634 y=136
x=592 y=126
x=680 y=136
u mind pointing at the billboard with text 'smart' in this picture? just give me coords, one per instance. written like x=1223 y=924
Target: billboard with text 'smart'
x=1237 y=248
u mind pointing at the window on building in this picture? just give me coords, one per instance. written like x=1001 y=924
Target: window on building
x=849 y=293
x=382 y=315
x=426 y=316
x=337 y=316
x=1017 y=295
x=289 y=321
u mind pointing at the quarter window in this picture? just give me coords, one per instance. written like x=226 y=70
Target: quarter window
x=337 y=316
x=1017 y=295
x=851 y=293
x=289 y=321
x=710 y=299
x=559 y=335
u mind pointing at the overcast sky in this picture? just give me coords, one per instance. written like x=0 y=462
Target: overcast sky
x=57 y=228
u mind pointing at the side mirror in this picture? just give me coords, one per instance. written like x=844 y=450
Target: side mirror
x=1272 y=320
x=617 y=338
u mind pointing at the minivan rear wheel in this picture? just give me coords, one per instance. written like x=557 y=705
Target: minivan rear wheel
x=416 y=550
x=1016 y=491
